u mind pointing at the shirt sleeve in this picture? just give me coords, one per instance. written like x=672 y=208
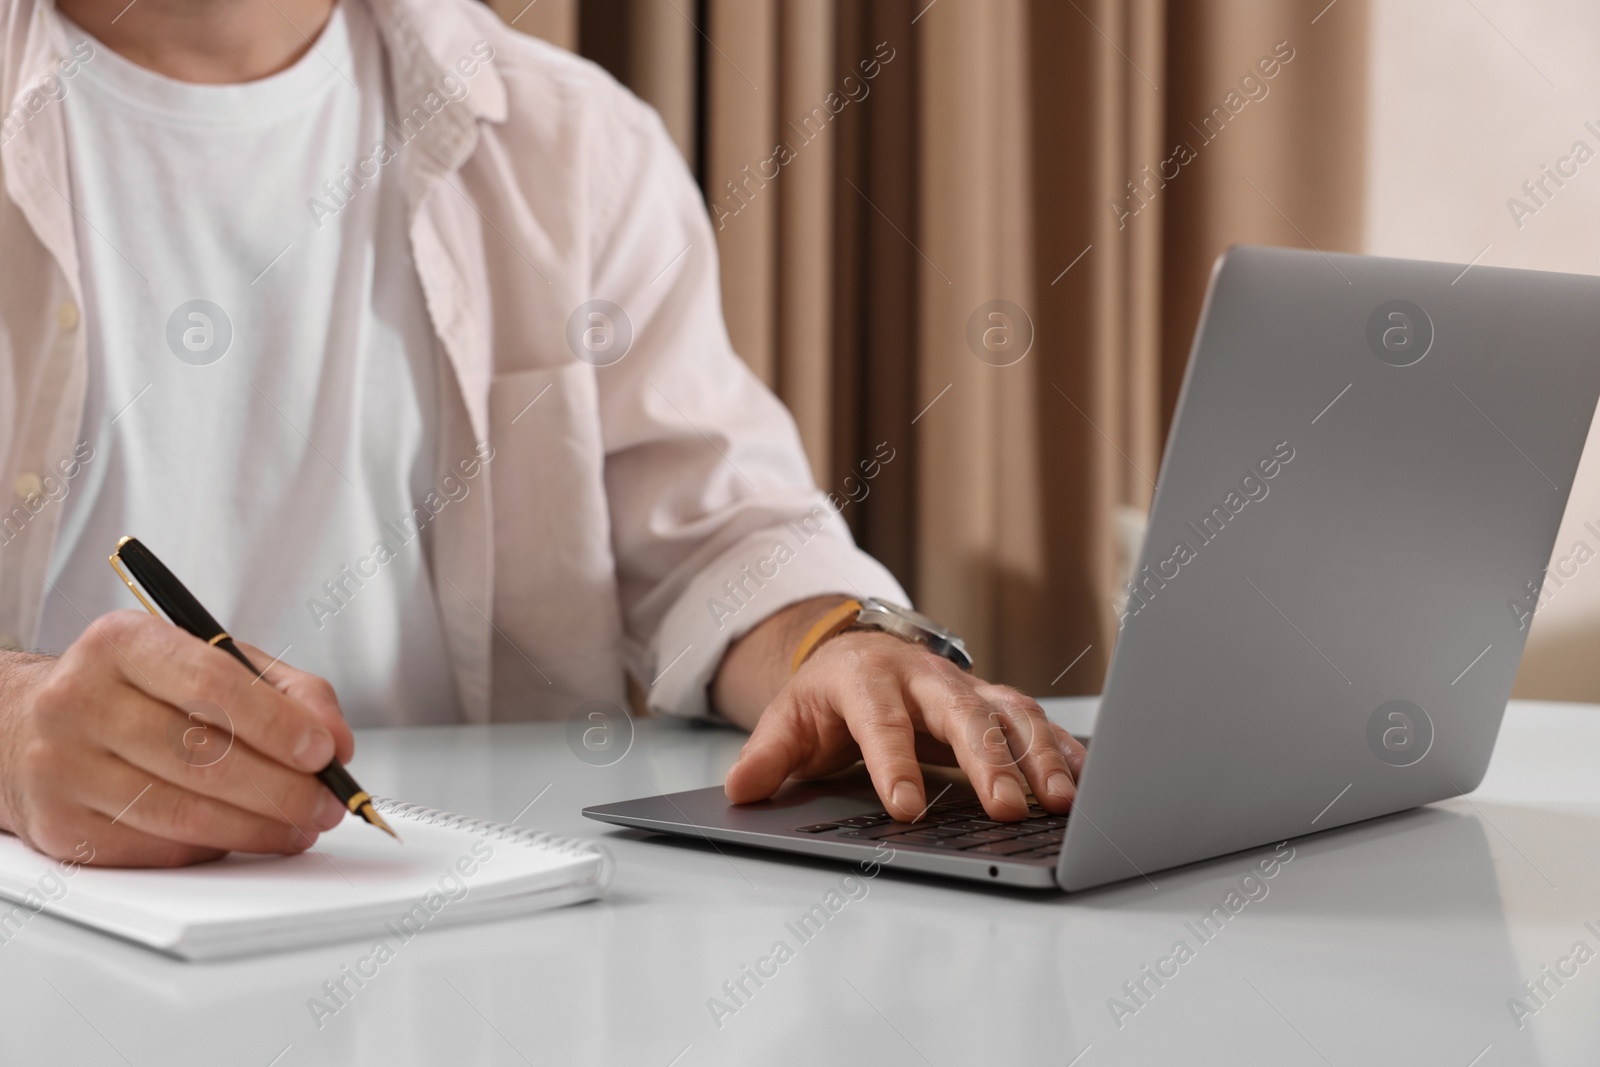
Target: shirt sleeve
x=716 y=522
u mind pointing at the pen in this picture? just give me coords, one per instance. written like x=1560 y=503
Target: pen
x=186 y=613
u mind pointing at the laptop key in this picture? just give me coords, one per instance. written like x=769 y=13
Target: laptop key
x=869 y=833
x=891 y=829
x=818 y=828
x=982 y=837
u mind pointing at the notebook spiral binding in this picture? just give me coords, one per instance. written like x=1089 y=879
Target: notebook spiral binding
x=500 y=831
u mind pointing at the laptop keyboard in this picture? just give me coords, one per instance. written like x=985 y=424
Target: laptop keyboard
x=956 y=826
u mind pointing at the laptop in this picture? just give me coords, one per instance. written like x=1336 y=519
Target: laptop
x=1359 y=496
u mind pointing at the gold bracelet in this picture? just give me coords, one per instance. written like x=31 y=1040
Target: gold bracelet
x=834 y=622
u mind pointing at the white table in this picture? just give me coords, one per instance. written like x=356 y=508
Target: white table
x=1395 y=942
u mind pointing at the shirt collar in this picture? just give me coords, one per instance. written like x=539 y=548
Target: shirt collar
x=430 y=44
x=30 y=51
x=429 y=40
x=425 y=39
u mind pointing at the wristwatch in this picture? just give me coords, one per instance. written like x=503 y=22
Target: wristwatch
x=870 y=613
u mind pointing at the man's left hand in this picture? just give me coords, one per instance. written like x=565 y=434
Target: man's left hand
x=868 y=695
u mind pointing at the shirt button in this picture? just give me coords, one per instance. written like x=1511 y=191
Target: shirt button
x=67 y=316
x=28 y=485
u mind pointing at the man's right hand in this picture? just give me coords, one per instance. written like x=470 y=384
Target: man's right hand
x=121 y=749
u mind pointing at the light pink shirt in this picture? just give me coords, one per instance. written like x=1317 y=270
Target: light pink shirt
x=636 y=514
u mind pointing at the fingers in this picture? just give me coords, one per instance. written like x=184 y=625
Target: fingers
x=1034 y=745
x=128 y=796
x=895 y=703
x=123 y=846
x=155 y=749
x=784 y=744
x=977 y=733
x=88 y=806
x=881 y=726
x=777 y=745
x=310 y=690
x=171 y=666
x=85 y=837
x=821 y=730
x=1075 y=752
x=1000 y=737
x=191 y=753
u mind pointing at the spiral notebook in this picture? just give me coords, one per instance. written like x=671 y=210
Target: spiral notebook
x=355 y=883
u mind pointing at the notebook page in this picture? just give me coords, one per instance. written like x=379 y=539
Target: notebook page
x=353 y=873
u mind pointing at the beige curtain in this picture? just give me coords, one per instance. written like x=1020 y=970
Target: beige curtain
x=943 y=156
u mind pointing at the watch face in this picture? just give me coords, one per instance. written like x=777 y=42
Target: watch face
x=915 y=626
x=916 y=618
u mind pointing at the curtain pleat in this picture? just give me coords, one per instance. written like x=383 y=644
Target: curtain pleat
x=651 y=46
x=1288 y=169
x=877 y=339
x=976 y=441
x=743 y=86
x=664 y=72
x=804 y=248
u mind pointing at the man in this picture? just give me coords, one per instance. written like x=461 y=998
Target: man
x=398 y=334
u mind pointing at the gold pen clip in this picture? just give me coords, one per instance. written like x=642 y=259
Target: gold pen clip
x=127 y=580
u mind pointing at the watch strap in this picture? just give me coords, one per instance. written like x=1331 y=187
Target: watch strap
x=836 y=621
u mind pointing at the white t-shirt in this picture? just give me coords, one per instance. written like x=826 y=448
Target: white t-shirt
x=262 y=394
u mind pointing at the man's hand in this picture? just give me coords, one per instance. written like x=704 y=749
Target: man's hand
x=144 y=747
x=871 y=696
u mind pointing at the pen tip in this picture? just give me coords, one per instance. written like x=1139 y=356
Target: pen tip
x=369 y=813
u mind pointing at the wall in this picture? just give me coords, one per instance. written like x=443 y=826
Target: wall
x=1468 y=99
